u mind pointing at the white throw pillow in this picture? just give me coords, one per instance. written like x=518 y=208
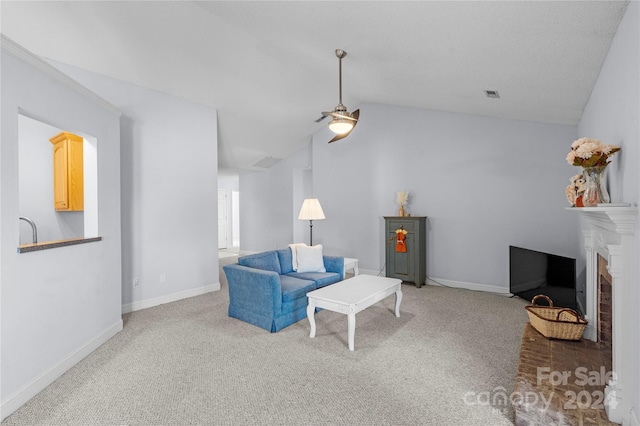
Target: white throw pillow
x=310 y=259
x=294 y=255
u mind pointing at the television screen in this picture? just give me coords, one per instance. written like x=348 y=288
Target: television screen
x=532 y=272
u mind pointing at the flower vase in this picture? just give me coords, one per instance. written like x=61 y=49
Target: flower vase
x=401 y=211
x=595 y=191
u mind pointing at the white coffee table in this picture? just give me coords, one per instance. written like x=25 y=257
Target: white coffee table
x=352 y=296
x=350 y=264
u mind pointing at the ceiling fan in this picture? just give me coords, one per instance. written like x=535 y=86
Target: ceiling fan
x=343 y=122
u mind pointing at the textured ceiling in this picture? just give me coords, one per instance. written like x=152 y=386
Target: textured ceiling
x=270 y=68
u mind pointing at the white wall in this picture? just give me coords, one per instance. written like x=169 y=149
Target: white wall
x=229 y=182
x=270 y=202
x=484 y=184
x=169 y=169
x=57 y=305
x=612 y=115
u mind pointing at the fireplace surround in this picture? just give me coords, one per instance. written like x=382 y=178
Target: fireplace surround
x=608 y=234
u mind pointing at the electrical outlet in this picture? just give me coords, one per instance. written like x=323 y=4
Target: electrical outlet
x=136 y=282
x=163 y=278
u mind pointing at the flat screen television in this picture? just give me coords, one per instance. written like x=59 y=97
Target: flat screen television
x=533 y=272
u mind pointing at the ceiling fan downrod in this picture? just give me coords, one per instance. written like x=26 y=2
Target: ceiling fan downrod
x=340 y=54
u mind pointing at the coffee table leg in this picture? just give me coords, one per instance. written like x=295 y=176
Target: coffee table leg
x=351 y=330
x=398 y=301
x=311 y=310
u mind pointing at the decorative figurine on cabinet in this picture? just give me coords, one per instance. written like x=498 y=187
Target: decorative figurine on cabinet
x=401 y=234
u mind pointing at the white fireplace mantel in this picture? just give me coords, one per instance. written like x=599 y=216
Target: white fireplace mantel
x=608 y=232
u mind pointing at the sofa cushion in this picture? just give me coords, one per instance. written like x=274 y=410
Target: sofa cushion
x=295 y=288
x=320 y=278
x=284 y=255
x=267 y=261
x=310 y=259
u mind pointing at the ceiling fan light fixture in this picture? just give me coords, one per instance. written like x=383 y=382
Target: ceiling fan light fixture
x=340 y=125
x=342 y=121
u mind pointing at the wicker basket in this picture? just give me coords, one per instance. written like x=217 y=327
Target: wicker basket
x=555 y=323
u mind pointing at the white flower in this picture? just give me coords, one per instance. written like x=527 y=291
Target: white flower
x=606 y=149
x=587 y=149
x=579 y=142
x=402 y=197
x=587 y=152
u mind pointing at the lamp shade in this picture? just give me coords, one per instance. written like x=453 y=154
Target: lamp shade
x=311 y=210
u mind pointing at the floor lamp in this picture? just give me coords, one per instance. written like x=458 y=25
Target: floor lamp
x=311 y=210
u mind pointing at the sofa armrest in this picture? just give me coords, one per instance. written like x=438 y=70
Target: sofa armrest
x=334 y=264
x=254 y=289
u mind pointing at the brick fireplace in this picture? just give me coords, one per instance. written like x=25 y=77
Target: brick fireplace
x=608 y=241
x=549 y=382
x=605 y=323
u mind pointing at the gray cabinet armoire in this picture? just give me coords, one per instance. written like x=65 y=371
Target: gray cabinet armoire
x=406 y=256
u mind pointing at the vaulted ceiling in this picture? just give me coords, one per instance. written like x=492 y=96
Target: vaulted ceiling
x=269 y=67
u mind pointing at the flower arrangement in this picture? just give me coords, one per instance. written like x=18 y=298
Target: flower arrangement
x=586 y=152
x=402 y=197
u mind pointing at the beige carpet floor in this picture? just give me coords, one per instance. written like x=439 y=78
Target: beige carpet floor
x=188 y=363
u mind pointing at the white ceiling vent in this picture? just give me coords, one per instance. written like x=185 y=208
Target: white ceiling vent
x=493 y=94
x=267 y=162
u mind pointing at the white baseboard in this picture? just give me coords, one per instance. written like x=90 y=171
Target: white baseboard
x=470 y=286
x=441 y=282
x=168 y=298
x=371 y=272
x=31 y=389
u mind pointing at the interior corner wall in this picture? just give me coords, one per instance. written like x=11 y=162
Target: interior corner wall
x=612 y=115
x=169 y=167
x=267 y=204
x=57 y=305
x=484 y=184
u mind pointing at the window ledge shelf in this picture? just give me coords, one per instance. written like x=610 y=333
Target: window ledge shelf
x=27 y=248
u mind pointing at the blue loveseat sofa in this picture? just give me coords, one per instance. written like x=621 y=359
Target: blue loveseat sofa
x=265 y=291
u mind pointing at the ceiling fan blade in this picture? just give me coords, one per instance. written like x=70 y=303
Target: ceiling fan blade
x=338 y=137
x=338 y=115
x=356 y=115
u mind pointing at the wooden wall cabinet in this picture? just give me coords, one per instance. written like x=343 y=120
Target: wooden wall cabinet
x=409 y=266
x=68 y=172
